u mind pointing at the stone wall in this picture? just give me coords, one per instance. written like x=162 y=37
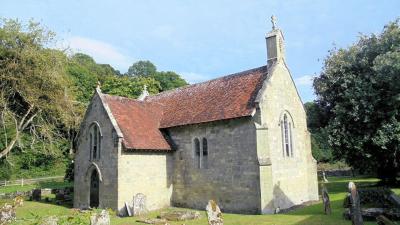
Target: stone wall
x=106 y=165
x=285 y=181
x=148 y=173
x=232 y=176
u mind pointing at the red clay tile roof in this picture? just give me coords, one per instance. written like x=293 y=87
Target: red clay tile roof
x=222 y=98
x=139 y=123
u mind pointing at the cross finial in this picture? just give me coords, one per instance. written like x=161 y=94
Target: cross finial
x=144 y=94
x=98 y=87
x=273 y=21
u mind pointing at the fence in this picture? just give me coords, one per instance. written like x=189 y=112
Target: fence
x=22 y=182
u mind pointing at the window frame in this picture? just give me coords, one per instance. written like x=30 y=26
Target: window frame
x=95 y=136
x=201 y=152
x=287 y=129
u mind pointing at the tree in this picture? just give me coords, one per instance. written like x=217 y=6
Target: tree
x=169 y=80
x=316 y=122
x=130 y=87
x=359 y=89
x=142 y=68
x=34 y=95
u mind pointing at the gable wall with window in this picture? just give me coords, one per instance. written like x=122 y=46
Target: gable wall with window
x=284 y=141
x=105 y=158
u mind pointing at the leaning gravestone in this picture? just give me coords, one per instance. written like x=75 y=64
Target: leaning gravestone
x=326 y=201
x=100 y=219
x=355 y=207
x=36 y=195
x=139 y=204
x=382 y=220
x=128 y=209
x=214 y=214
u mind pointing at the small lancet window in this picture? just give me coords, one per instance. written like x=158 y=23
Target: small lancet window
x=95 y=142
x=204 y=159
x=197 y=152
x=287 y=137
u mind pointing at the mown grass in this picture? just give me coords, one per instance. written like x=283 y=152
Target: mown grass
x=310 y=215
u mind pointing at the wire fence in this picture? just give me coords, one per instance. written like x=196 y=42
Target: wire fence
x=22 y=182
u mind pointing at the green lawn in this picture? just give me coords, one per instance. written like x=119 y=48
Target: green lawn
x=310 y=215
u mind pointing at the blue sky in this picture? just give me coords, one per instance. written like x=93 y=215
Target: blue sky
x=205 y=39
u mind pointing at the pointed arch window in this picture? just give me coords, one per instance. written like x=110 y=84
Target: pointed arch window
x=95 y=141
x=287 y=136
x=197 y=154
x=201 y=152
x=204 y=159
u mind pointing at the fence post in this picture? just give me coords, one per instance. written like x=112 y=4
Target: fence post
x=5 y=183
x=22 y=182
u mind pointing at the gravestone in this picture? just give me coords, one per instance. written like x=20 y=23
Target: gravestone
x=326 y=201
x=7 y=214
x=324 y=177
x=153 y=221
x=36 y=195
x=179 y=215
x=60 y=196
x=383 y=220
x=45 y=191
x=100 y=219
x=139 y=204
x=128 y=209
x=214 y=213
x=355 y=207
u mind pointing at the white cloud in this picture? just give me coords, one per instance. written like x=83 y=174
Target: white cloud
x=305 y=80
x=101 y=51
x=193 y=78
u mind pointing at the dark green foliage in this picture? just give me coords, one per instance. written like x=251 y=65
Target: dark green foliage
x=129 y=86
x=316 y=121
x=169 y=80
x=359 y=89
x=69 y=172
x=142 y=68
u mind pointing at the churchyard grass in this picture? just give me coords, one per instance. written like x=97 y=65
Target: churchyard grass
x=310 y=215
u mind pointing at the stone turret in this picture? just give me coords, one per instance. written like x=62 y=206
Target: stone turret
x=275 y=44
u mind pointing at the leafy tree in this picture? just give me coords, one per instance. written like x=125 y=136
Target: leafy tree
x=169 y=80
x=316 y=122
x=142 y=68
x=34 y=95
x=359 y=89
x=130 y=87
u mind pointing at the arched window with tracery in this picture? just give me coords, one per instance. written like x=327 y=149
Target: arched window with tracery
x=95 y=141
x=287 y=137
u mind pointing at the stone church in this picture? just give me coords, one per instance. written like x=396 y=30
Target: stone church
x=240 y=139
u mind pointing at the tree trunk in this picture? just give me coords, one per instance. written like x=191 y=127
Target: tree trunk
x=22 y=125
x=10 y=145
